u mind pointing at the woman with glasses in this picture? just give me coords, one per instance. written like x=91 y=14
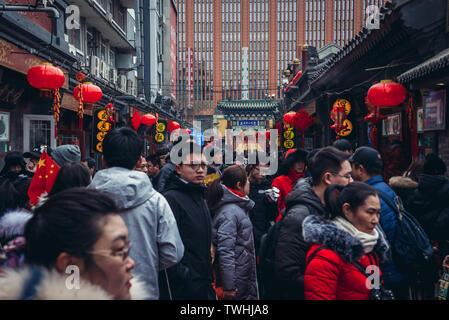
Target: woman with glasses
x=76 y=248
x=232 y=234
x=345 y=244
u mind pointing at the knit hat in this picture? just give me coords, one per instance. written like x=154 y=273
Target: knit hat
x=66 y=153
x=434 y=165
x=12 y=159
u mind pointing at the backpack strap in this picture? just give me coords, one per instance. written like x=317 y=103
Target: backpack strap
x=315 y=252
x=390 y=203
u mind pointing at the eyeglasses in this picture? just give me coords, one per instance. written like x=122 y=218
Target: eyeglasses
x=196 y=166
x=109 y=253
x=346 y=176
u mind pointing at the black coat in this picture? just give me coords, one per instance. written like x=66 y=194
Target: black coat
x=164 y=176
x=430 y=205
x=192 y=277
x=263 y=211
x=291 y=248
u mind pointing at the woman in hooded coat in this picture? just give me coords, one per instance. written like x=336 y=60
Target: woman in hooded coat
x=232 y=234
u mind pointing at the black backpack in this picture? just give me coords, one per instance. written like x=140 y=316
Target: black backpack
x=412 y=249
x=267 y=250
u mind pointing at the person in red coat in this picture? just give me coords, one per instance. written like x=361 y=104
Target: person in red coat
x=292 y=169
x=350 y=234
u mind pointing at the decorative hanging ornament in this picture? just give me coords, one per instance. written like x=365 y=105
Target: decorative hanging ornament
x=86 y=93
x=135 y=121
x=387 y=93
x=148 y=120
x=110 y=112
x=289 y=117
x=173 y=125
x=302 y=120
x=338 y=115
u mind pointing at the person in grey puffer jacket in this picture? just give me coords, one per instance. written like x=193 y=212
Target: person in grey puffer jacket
x=232 y=235
x=153 y=232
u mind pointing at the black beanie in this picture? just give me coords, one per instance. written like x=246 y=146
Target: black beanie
x=434 y=165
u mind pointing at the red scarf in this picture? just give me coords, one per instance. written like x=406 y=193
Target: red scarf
x=293 y=176
x=236 y=192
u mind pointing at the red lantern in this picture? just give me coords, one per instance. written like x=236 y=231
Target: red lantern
x=45 y=76
x=387 y=94
x=90 y=93
x=135 y=121
x=173 y=125
x=289 y=117
x=302 y=120
x=148 y=119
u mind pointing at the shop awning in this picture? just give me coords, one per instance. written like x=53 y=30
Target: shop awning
x=438 y=62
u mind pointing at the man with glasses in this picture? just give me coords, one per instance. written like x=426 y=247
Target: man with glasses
x=191 y=279
x=367 y=166
x=328 y=166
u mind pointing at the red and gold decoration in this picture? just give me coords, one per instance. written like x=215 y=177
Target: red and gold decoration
x=86 y=93
x=44 y=177
x=299 y=74
x=387 y=93
x=148 y=120
x=289 y=117
x=102 y=127
x=374 y=118
x=173 y=125
x=338 y=114
x=48 y=79
x=110 y=112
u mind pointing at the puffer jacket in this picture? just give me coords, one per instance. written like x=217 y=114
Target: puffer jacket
x=430 y=205
x=233 y=239
x=190 y=279
x=405 y=188
x=388 y=222
x=330 y=275
x=285 y=185
x=156 y=243
x=291 y=249
x=53 y=286
x=164 y=175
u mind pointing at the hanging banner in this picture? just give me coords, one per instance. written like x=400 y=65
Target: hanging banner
x=161 y=135
x=100 y=129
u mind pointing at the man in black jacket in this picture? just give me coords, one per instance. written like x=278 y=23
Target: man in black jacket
x=328 y=166
x=191 y=279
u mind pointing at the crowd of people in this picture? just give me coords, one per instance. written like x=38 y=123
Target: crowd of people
x=150 y=228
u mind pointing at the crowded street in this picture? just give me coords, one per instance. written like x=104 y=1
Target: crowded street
x=227 y=151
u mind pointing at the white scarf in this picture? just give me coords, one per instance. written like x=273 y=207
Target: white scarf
x=368 y=240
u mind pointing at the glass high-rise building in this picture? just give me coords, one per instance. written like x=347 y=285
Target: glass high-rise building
x=239 y=49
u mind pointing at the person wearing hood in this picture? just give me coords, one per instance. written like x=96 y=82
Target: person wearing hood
x=430 y=202
x=344 y=243
x=233 y=235
x=191 y=279
x=168 y=167
x=34 y=157
x=14 y=166
x=77 y=248
x=406 y=184
x=328 y=166
x=66 y=153
x=292 y=169
x=152 y=226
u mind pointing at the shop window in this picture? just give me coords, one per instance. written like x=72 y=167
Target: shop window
x=38 y=130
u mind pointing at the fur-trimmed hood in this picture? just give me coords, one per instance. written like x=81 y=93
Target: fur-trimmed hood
x=403 y=182
x=53 y=286
x=12 y=224
x=317 y=230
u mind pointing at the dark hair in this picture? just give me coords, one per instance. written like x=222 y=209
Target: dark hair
x=67 y=222
x=328 y=159
x=71 y=175
x=434 y=165
x=299 y=155
x=122 y=147
x=14 y=194
x=154 y=159
x=342 y=145
x=90 y=162
x=355 y=194
x=162 y=151
x=192 y=147
x=231 y=175
x=371 y=171
x=309 y=159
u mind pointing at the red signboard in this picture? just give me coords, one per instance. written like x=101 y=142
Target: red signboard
x=173 y=50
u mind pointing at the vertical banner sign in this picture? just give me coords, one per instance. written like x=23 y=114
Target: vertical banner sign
x=161 y=132
x=189 y=77
x=173 y=50
x=245 y=72
x=289 y=135
x=100 y=129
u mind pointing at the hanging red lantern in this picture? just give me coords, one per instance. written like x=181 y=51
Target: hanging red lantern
x=148 y=119
x=302 y=120
x=173 y=125
x=289 y=117
x=45 y=76
x=90 y=93
x=387 y=93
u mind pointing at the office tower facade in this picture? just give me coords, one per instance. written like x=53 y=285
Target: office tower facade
x=232 y=49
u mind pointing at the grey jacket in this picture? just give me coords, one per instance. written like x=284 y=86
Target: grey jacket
x=232 y=236
x=156 y=243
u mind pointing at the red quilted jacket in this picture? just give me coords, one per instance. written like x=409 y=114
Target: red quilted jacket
x=329 y=277
x=285 y=185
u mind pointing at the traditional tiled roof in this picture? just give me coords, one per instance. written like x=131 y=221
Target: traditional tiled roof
x=438 y=62
x=246 y=105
